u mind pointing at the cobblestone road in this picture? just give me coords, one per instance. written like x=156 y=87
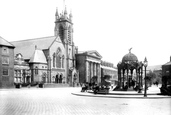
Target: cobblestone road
x=60 y=101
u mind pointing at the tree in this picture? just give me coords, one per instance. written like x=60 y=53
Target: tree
x=107 y=80
x=107 y=77
x=151 y=76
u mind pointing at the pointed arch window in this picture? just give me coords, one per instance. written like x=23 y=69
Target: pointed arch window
x=63 y=61
x=58 y=58
x=69 y=35
x=36 y=70
x=61 y=33
x=54 y=59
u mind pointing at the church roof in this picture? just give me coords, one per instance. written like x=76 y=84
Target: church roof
x=27 y=47
x=38 y=57
x=4 y=42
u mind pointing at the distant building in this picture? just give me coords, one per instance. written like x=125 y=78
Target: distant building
x=166 y=68
x=6 y=63
x=108 y=68
x=22 y=73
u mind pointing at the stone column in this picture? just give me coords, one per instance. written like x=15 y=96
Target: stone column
x=95 y=74
x=123 y=78
x=99 y=73
x=130 y=82
x=119 y=76
x=128 y=77
x=136 y=77
x=97 y=70
x=91 y=70
x=86 y=71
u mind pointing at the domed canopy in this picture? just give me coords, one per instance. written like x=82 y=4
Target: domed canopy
x=130 y=57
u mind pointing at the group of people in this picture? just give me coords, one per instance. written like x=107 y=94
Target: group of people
x=156 y=83
x=94 y=87
x=85 y=87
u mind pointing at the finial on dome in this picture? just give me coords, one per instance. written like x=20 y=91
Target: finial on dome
x=130 y=50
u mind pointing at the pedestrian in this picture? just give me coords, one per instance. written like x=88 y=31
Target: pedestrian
x=157 y=83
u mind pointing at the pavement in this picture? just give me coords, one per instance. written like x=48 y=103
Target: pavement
x=61 y=101
x=153 y=92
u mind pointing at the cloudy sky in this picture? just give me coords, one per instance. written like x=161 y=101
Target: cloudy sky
x=110 y=27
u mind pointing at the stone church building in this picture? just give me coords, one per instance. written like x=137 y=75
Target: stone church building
x=51 y=59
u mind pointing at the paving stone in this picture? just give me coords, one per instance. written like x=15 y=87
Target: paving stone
x=60 y=101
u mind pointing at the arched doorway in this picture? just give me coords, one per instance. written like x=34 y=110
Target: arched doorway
x=60 y=78
x=57 y=78
x=28 y=79
x=44 y=77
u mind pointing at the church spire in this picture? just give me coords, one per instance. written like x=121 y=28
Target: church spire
x=70 y=16
x=65 y=11
x=56 y=14
x=64 y=6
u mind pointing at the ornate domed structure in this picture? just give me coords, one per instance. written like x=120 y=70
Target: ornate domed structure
x=130 y=65
x=130 y=57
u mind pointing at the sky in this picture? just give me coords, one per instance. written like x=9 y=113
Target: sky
x=111 y=27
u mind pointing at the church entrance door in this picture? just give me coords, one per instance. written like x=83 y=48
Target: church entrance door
x=56 y=79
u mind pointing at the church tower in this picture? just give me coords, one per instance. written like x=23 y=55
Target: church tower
x=64 y=29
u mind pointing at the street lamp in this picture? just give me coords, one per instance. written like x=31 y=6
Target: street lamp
x=145 y=65
x=140 y=76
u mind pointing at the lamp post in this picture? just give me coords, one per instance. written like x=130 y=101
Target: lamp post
x=140 y=76
x=145 y=65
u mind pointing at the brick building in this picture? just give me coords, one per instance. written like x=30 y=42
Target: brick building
x=6 y=63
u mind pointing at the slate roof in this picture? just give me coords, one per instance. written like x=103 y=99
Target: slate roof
x=38 y=57
x=4 y=42
x=27 y=47
x=168 y=63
